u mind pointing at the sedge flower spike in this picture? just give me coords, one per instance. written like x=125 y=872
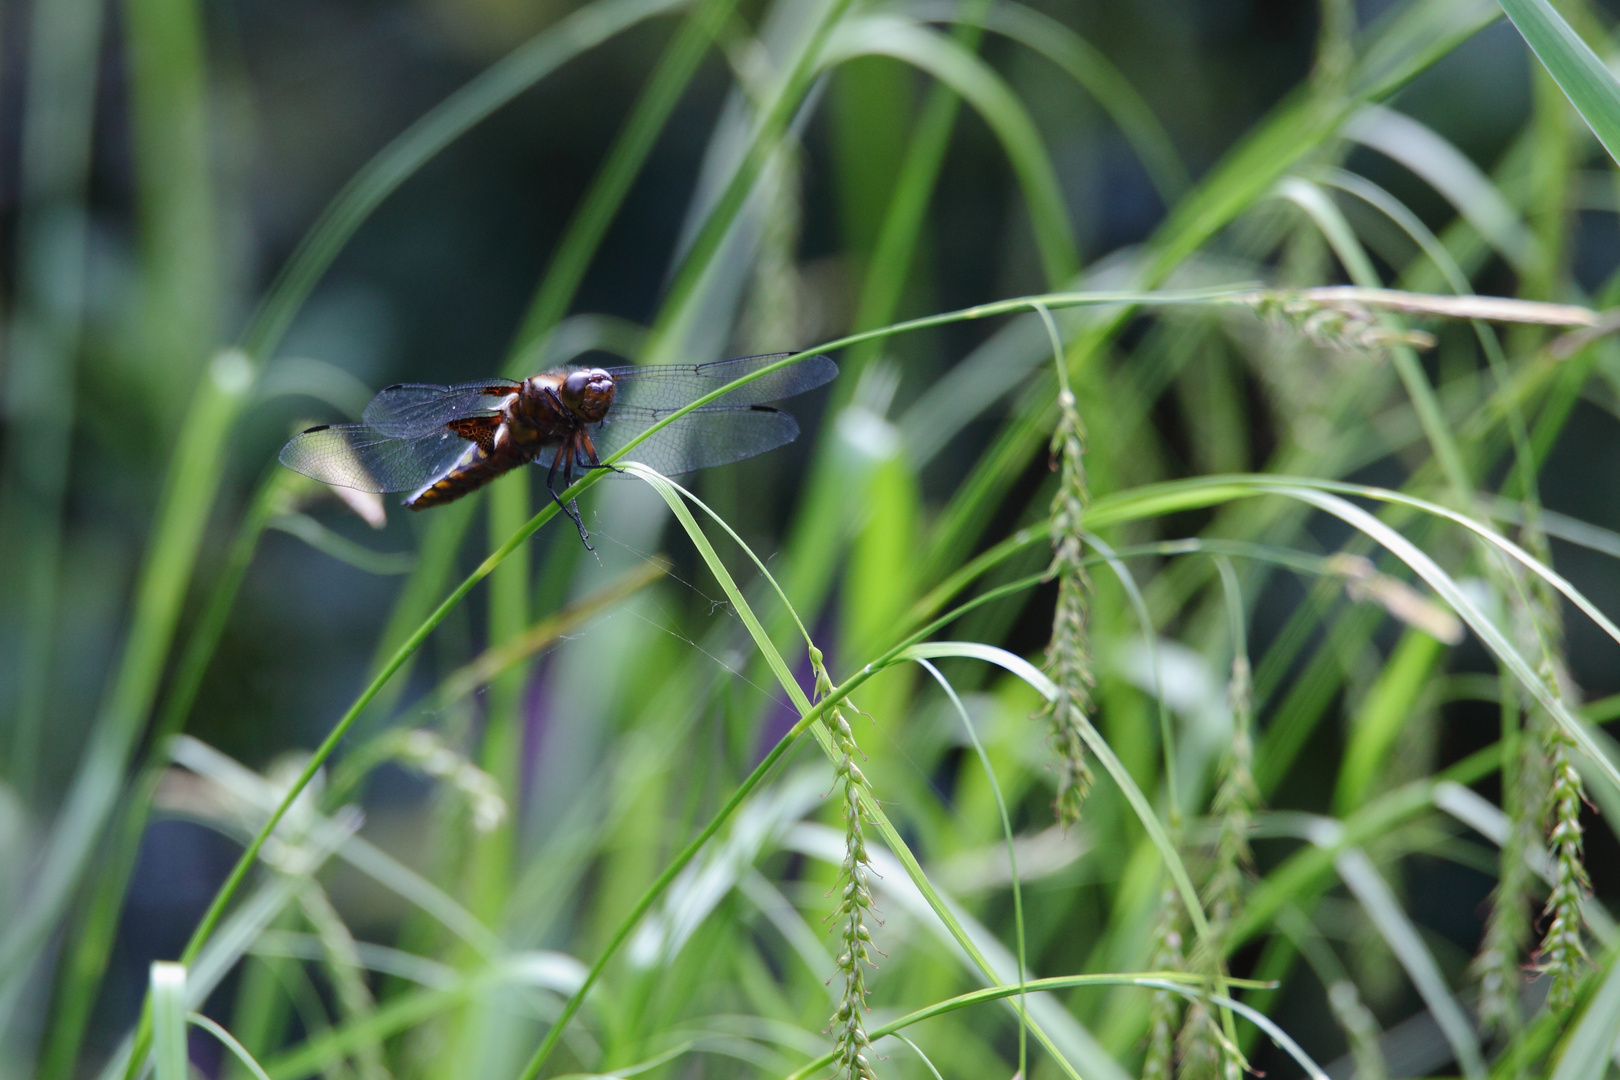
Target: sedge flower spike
x=854 y=889
x=1068 y=655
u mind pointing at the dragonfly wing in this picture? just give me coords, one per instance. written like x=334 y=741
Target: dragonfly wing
x=365 y=458
x=699 y=440
x=669 y=386
x=409 y=410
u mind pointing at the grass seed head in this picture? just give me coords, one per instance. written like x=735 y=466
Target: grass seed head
x=1068 y=655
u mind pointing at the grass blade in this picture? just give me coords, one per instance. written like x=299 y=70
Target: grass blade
x=1012 y=859
x=1584 y=79
x=171 y=1061
x=1381 y=906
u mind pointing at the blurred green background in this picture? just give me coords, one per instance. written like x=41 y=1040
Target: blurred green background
x=164 y=162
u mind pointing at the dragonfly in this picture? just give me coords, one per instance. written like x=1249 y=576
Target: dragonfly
x=442 y=442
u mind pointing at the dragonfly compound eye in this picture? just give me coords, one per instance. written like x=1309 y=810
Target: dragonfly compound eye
x=573 y=388
x=588 y=393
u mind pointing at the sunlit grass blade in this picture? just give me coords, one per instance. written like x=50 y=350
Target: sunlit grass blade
x=171 y=1058
x=768 y=129
x=612 y=183
x=1012 y=854
x=917 y=174
x=1180 y=981
x=552 y=972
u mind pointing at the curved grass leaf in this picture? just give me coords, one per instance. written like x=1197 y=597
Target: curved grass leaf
x=1150 y=641
x=258 y=796
x=230 y=1043
x=981 y=955
x=1446 y=169
x=612 y=183
x=697 y=258
x=977 y=83
x=555 y=972
x=1098 y=746
x=1175 y=981
x=1089 y=67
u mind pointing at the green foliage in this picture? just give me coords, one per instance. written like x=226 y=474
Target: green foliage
x=657 y=871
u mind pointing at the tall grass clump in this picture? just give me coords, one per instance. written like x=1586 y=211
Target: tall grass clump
x=1176 y=646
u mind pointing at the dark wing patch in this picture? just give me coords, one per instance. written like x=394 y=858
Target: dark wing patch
x=478 y=429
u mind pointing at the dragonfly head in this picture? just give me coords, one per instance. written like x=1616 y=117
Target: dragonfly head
x=587 y=393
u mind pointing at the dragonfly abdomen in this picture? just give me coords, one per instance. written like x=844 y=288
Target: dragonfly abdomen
x=473 y=472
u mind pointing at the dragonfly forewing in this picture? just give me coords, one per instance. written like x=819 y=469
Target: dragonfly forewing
x=362 y=457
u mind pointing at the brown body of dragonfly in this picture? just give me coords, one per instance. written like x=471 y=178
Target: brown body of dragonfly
x=547 y=410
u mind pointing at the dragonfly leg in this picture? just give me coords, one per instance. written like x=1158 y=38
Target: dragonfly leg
x=564 y=460
x=587 y=465
x=585 y=455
